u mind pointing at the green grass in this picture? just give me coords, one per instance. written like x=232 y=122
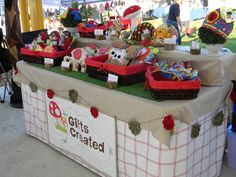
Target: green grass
x=186 y=41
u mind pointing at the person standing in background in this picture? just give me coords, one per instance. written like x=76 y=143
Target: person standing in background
x=185 y=12
x=174 y=18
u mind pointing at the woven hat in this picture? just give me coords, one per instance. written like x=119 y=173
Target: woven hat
x=216 y=23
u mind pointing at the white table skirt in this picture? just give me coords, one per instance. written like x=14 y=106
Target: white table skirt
x=144 y=155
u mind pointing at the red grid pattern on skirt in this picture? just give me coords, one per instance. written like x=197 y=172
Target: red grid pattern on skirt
x=144 y=155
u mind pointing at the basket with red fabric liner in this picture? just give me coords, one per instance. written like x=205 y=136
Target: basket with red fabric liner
x=37 y=57
x=88 y=32
x=127 y=75
x=164 y=88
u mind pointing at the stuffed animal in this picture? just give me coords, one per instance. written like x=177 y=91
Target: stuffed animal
x=116 y=28
x=77 y=59
x=66 y=40
x=52 y=42
x=40 y=42
x=92 y=50
x=118 y=57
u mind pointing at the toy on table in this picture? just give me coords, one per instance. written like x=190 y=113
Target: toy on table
x=52 y=42
x=40 y=42
x=78 y=56
x=164 y=32
x=77 y=59
x=115 y=29
x=131 y=55
x=66 y=40
x=142 y=30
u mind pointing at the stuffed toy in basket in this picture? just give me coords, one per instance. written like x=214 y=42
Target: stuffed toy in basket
x=128 y=63
x=54 y=46
x=173 y=81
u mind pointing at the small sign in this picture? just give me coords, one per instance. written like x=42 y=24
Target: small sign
x=48 y=61
x=195 y=45
x=112 y=78
x=65 y=64
x=98 y=32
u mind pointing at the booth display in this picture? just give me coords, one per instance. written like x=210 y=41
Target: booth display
x=154 y=151
x=195 y=145
x=176 y=128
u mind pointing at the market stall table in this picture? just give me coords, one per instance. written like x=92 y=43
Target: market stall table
x=154 y=152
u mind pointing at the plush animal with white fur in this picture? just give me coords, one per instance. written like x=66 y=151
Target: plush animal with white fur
x=77 y=59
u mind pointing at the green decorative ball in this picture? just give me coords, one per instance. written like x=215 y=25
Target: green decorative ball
x=135 y=127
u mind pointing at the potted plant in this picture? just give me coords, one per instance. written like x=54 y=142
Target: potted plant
x=215 y=30
x=71 y=17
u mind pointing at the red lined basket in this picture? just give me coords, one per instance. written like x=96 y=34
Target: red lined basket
x=37 y=57
x=88 y=32
x=168 y=89
x=97 y=68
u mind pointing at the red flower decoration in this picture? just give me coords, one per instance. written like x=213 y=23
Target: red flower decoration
x=50 y=93
x=168 y=122
x=94 y=112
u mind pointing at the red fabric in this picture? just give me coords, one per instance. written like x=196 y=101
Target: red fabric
x=121 y=70
x=168 y=122
x=167 y=84
x=16 y=71
x=94 y=112
x=50 y=93
x=56 y=54
x=233 y=96
x=66 y=44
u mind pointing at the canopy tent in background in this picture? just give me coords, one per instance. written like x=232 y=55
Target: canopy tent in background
x=66 y=3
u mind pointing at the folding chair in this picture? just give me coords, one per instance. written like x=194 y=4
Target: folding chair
x=5 y=68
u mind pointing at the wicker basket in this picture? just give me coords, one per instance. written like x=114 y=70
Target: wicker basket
x=38 y=57
x=127 y=75
x=167 y=89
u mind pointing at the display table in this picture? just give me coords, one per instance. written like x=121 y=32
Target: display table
x=155 y=151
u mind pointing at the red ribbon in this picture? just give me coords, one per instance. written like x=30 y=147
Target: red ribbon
x=103 y=68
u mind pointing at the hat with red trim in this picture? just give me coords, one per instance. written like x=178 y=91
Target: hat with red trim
x=216 y=23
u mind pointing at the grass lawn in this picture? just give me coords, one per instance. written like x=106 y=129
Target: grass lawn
x=231 y=42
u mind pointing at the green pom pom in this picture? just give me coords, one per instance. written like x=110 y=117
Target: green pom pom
x=135 y=127
x=155 y=51
x=218 y=119
x=195 y=130
x=33 y=87
x=73 y=95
